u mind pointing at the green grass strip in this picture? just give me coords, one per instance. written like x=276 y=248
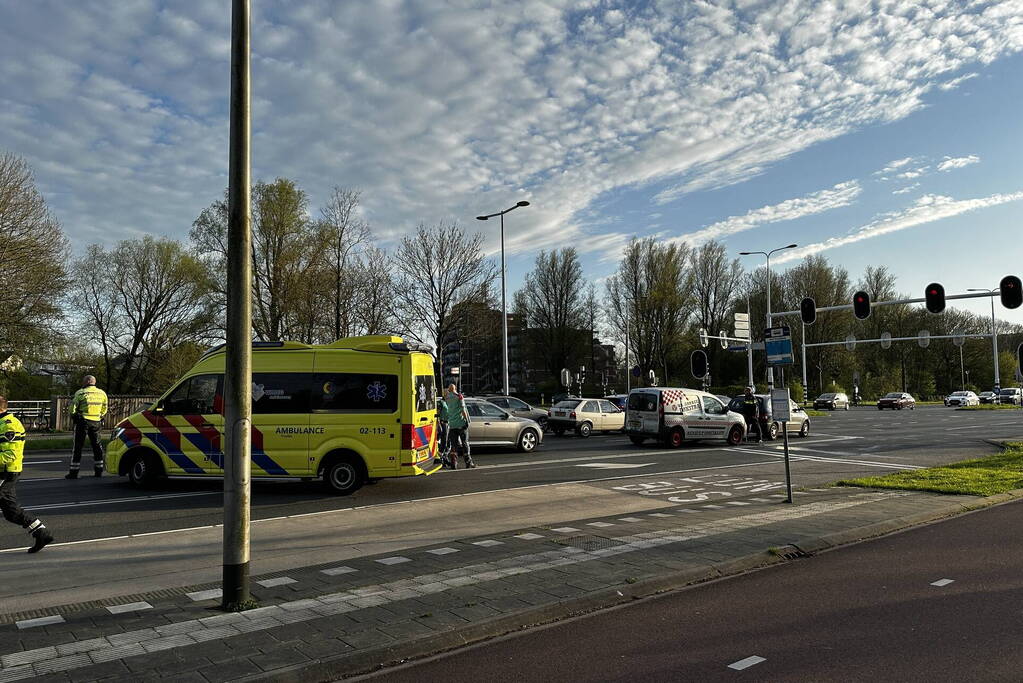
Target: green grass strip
x=980 y=477
x=52 y=443
x=990 y=406
x=818 y=413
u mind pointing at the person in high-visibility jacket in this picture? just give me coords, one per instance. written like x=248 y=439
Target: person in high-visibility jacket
x=88 y=407
x=12 y=449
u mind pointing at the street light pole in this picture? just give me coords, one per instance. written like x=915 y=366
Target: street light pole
x=994 y=336
x=504 y=295
x=770 y=370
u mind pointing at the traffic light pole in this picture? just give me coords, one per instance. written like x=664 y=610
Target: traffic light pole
x=894 y=339
x=895 y=302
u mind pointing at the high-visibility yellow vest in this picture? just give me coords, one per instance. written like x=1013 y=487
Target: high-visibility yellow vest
x=89 y=403
x=12 y=443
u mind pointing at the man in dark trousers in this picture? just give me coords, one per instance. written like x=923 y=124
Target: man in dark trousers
x=751 y=411
x=88 y=408
x=12 y=450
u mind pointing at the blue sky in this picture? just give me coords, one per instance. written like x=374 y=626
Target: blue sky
x=880 y=133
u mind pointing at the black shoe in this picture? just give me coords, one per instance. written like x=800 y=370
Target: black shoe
x=43 y=538
x=470 y=465
x=71 y=475
x=98 y=473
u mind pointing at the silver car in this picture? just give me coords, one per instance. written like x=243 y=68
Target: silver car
x=492 y=426
x=519 y=408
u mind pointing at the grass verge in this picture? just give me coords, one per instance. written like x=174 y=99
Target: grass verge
x=980 y=477
x=51 y=443
x=990 y=406
x=817 y=413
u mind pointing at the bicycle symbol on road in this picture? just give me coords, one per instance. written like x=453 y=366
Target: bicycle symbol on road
x=701 y=488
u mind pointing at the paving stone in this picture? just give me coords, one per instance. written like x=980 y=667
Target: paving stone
x=98 y=672
x=368 y=638
x=236 y=668
x=278 y=658
x=327 y=647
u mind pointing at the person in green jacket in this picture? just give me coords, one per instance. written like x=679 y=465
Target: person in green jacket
x=458 y=427
x=442 y=431
x=12 y=450
x=88 y=407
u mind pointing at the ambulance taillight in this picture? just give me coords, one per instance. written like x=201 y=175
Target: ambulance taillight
x=406 y=437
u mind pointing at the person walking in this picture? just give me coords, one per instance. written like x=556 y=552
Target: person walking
x=12 y=450
x=442 y=429
x=458 y=428
x=88 y=407
x=751 y=411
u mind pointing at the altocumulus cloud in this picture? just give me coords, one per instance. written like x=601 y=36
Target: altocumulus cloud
x=451 y=108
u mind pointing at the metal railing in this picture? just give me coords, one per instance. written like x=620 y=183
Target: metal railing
x=118 y=408
x=35 y=415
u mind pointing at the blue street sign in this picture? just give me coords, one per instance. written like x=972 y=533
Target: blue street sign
x=636 y=372
x=778 y=344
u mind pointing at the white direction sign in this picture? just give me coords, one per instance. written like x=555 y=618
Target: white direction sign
x=742 y=318
x=850 y=342
x=742 y=334
x=924 y=338
x=886 y=340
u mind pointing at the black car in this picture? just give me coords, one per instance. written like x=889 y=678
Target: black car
x=799 y=423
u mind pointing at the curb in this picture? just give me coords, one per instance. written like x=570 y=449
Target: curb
x=369 y=660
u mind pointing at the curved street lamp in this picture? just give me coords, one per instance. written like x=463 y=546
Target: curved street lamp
x=770 y=370
x=504 y=293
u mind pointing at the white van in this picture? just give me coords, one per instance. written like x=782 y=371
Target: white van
x=673 y=415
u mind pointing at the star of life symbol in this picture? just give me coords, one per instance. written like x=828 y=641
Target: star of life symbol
x=422 y=393
x=257 y=391
x=376 y=391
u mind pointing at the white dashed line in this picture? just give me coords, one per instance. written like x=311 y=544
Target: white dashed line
x=658 y=514
x=40 y=621
x=942 y=582
x=600 y=524
x=442 y=551
x=529 y=537
x=746 y=663
x=488 y=543
x=279 y=581
x=736 y=502
x=629 y=519
x=397 y=559
x=713 y=507
x=130 y=607
x=565 y=529
x=335 y=571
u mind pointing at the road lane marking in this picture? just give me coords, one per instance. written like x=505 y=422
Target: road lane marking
x=746 y=663
x=40 y=621
x=397 y=559
x=114 y=501
x=849 y=461
x=130 y=607
x=442 y=551
x=40 y=462
x=943 y=582
x=615 y=465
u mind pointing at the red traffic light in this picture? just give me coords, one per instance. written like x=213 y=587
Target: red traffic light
x=934 y=296
x=1011 y=291
x=861 y=305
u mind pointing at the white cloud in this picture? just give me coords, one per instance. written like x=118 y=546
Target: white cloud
x=950 y=163
x=927 y=209
x=956 y=82
x=452 y=108
x=893 y=165
x=838 y=196
x=907 y=189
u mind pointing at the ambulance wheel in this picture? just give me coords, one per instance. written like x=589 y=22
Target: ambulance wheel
x=638 y=440
x=528 y=440
x=144 y=469
x=584 y=430
x=675 y=437
x=343 y=475
x=735 y=435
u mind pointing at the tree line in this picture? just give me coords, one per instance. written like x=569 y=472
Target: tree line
x=138 y=313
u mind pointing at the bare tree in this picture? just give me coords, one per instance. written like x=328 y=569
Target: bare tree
x=716 y=284
x=375 y=311
x=343 y=232
x=435 y=268
x=33 y=250
x=92 y=301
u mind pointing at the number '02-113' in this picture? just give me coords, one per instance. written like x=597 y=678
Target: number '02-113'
x=372 y=430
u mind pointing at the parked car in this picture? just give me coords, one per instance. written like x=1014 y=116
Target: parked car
x=1011 y=396
x=584 y=416
x=492 y=426
x=962 y=398
x=619 y=400
x=769 y=427
x=674 y=415
x=831 y=401
x=988 y=397
x=896 y=400
x=519 y=408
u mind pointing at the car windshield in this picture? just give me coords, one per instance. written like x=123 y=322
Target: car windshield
x=960 y=393
x=567 y=404
x=1008 y=392
x=894 y=394
x=827 y=396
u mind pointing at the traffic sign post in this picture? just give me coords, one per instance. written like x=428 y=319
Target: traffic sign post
x=780 y=412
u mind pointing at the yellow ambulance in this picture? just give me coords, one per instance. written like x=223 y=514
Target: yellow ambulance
x=358 y=409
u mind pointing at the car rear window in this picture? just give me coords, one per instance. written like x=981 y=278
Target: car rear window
x=567 y=404
x=642 y=400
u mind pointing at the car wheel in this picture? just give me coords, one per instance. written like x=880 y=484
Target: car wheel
x=847 y=406
x=144 y=470
x=675 y=437
x=880 y=408
x=735 y=435
x=773 y=431
x=527 y=440
x=804 y=431
x=638 y=440
x=542 y=421
x=343 y=476
x=584 y=430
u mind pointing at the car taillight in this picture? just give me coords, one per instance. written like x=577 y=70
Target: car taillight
x=548 y=413
x=572 y=415
x=406 y=437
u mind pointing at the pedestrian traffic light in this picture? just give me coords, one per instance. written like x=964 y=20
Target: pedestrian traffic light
x=861 y=305
x=934 y=295
x=808 y=311
x=698 y=362
x=1011 y=291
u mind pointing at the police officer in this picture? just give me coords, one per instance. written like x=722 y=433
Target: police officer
x=751 y=411
x=88 y=407
x=12 y=448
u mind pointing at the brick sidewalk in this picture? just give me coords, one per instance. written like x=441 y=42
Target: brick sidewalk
x=322 y=622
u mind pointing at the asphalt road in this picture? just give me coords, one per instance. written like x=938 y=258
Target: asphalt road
x=935 y=603
x=860 y=441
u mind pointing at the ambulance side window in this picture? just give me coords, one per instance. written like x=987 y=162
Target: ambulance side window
x=276 y=393
x=194 y=396
x=349 y=392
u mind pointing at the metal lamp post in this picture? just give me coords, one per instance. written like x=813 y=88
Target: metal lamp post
x=504 y=294
x=770 y=370
x=994 y=335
